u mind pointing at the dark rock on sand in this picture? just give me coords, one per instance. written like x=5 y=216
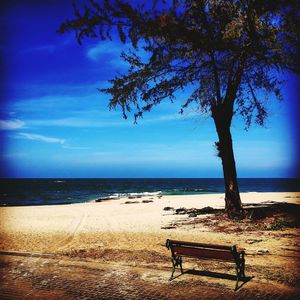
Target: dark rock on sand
x=207 y=210
x=181 y=211
x=106 y=198
x=168 y=227
x=192 y=215
x=195 y=211
x=168 y=208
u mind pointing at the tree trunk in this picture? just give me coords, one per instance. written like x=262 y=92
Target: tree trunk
x=233 y=204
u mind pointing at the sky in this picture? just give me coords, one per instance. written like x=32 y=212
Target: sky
x=55 y=123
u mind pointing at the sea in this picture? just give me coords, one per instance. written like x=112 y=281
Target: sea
x=20 y=192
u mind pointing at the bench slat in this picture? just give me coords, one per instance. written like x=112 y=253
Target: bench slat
x=214 y=246
x=204 y=253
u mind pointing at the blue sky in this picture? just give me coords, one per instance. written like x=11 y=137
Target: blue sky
x=55 y=123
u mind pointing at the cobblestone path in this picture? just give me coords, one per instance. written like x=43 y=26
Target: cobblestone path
x=27 y=277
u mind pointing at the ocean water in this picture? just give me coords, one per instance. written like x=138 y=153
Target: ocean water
x=65 y=191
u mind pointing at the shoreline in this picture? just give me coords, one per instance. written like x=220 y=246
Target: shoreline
x=152 y=195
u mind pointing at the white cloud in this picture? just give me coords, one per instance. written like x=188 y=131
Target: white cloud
x=98 y=119
x=11 y=124
x=80 y=122
x=59 y=103
x=41 y=138
x=106 y=48
x=69 y=147
x=109 y=53
x=95 y=52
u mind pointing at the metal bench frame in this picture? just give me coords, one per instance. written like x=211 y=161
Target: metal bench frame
x=207 y=251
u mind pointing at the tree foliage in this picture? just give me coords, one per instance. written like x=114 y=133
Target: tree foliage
x=229 y=52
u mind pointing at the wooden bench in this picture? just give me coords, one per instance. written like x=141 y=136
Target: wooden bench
x=207 y=251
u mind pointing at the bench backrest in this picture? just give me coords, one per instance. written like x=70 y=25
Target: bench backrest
x=209 y=251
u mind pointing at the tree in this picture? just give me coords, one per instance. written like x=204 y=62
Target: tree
x=229 y=52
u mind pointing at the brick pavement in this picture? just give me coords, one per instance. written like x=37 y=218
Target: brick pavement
x=27 y=277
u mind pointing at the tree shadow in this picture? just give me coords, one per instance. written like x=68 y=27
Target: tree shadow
x=218 y=275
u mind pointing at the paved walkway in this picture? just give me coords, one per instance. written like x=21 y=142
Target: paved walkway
x=29 y=277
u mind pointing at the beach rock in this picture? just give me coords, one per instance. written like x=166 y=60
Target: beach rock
x=192 y=215
x=191 y=211
x=207 y=210
x=131 y=202
x=181 y=211
x=168 y=208
x=106 y=198
x=168 y=227
x=147 y=201
x=101 y=199
x=202 y=211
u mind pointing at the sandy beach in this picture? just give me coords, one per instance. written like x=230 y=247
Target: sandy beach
x=134 y=231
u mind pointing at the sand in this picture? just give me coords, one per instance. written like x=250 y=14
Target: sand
x=56 y=227
x=132 y=232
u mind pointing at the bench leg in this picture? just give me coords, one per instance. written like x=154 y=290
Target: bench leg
x=173 y=269
x=180 y=263
x=240 y=268
x=237 y=277
x=240 y=272
x=243 y=267
x=176 y=261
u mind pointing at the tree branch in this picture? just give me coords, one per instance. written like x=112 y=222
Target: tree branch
x=216 y=76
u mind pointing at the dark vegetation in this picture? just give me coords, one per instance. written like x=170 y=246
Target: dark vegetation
x=265 y=216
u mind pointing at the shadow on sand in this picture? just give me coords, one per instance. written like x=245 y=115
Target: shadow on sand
x=243 y=280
